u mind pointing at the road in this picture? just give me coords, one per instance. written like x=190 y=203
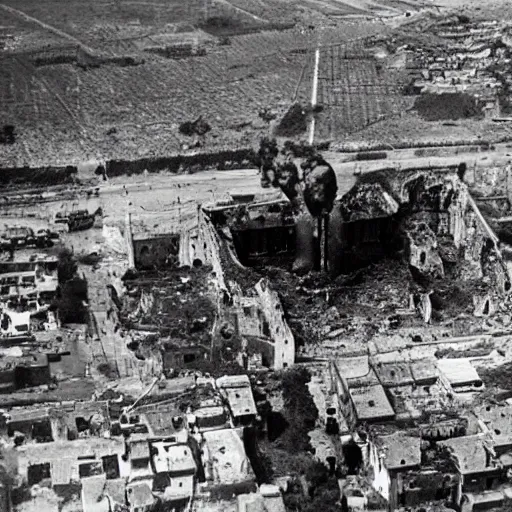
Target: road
x=159 y=202
x=167 y=192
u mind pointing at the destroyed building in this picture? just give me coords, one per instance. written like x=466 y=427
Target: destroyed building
x=410 y=424
x=28 y=286
x=189 y=446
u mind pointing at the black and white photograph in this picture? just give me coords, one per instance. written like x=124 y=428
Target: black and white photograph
x=255 y=256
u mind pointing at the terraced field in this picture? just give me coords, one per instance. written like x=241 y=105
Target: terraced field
x=355 y=92
x=64 y=113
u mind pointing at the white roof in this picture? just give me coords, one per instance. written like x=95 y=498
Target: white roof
x=459 y=372
x=173 y=458
x=227 y=455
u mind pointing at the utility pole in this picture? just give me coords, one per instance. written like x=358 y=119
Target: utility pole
x=314 y=96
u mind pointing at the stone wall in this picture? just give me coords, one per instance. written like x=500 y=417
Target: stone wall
x=284 y=342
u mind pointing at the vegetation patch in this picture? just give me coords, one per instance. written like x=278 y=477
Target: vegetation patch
x=447 y=106
x=294 y=122
x=499 y=377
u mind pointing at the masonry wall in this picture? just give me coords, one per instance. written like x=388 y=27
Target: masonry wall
x=280 y=333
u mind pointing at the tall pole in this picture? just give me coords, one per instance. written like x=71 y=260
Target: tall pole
x=314 y=96
x=326 y=241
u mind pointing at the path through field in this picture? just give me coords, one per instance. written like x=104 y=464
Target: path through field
x=243 y=11
x=46 y=26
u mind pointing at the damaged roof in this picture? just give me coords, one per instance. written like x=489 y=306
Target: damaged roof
x=470 y=453
x=402 y=450
x=367 y=201
x=498 y=419
x=394 y=374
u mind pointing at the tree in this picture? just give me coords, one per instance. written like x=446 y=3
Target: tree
x=312 y=195
x=67 y=266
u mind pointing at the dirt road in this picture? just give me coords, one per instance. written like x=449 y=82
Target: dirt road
x=46 y=26
x=160 y=201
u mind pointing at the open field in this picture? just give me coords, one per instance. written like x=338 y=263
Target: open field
x=106 y=79
x=65 y=114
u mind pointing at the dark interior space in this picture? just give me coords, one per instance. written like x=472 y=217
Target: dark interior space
x=353 y=457
x=276 y=425
x=265 y=246
x=365 y=242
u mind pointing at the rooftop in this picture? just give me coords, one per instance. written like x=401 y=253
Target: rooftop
x=459 y=372
x=470 y=453
x=355 y=368
x=227 y=455
x=23 y=415
x=241 y=401
x=371 y=403
x=62 y=471
x=424 y=370
x=173 y=458
x=237 y=391
x=93 y=494
x=161 y=424
x=139 y=449
x=41 y=453
x=140 y=495
x=402 y=450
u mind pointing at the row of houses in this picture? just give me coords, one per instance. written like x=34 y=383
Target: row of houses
x=475 y=61
x=169 y=452
x=416 y=440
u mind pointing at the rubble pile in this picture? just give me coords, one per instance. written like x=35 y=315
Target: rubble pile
x=167 y=312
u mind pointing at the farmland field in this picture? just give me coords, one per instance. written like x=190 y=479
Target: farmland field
x=354 y=92
x=131 y=102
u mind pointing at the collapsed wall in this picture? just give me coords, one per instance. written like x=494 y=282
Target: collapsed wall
x=254 y=313
x=443 y=236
